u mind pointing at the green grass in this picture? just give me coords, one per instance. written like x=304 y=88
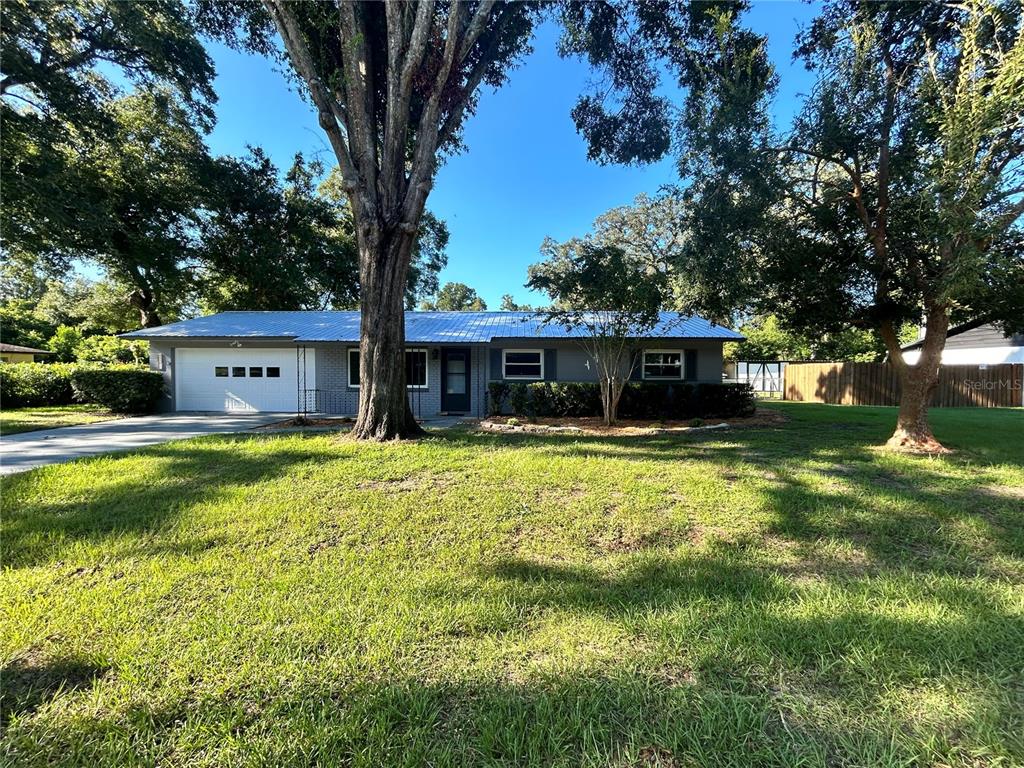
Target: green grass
x=14 y=420
x=781 y=596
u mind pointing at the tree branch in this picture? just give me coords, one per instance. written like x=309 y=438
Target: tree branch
x=331 y=115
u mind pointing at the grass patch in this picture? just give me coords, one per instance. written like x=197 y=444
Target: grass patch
x=776 y=596
x=14 y=420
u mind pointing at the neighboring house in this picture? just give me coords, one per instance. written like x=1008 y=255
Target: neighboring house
x=12 y=353
x=288 y=361
x=974 y=343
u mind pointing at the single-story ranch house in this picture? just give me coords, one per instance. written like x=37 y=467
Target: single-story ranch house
x=288 y=361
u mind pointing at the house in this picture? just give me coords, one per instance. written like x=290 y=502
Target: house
x=13 y=353
x=974 y=343
x=288 y=361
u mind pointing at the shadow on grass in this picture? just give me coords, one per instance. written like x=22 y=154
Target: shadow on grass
x=624 y=717
x=29 y=682
x=186 y=474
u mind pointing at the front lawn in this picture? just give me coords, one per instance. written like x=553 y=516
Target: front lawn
x=778 y=596
x=14 y=420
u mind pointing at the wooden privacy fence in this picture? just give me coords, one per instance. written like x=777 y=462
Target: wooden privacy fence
x=991 y=386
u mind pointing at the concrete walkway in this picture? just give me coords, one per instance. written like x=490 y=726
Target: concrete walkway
x=29 y=450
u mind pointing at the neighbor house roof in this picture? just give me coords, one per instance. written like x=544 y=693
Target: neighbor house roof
x=23 y=350
x=976 y=333
x=420 y=327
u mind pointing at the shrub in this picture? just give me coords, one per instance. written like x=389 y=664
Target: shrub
x=513 y=422
x=696 y=422
x=573 y=399
x=726 y=400
x=542 y=400
x=64 y=342
x=519 y=399
x=27 y=385
x=123 y=390
x=498 y=393
x=641 y=400
x=111 y=350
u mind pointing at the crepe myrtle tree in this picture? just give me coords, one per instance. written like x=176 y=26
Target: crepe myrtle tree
x=393 y=83
x=606 y=300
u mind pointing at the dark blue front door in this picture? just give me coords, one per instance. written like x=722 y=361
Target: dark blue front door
x=455 y=380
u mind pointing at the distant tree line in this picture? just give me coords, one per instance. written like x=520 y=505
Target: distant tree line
x=120 y=184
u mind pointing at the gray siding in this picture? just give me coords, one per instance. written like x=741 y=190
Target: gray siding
x=338 y=398
x=573 y=359
x=161 y=358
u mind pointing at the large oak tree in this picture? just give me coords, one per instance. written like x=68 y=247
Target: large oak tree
x=896 y=196
x=393 y=84
x=904 y=181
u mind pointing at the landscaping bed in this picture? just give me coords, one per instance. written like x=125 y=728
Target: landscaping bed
x=593 y=425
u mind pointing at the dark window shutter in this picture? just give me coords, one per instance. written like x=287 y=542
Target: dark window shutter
x=496 y=365
x=550 y=364
x=637 y=358
x=690 y=372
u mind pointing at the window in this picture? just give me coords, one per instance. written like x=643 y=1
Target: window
x=255 y=372
x=353 y=367
x=221 y=371
x=238 y=372
x=415 y=368
x=522 y=363
x=663 y=364
x=273 y=372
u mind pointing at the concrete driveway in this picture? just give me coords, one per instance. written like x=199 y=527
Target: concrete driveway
x=29 y=450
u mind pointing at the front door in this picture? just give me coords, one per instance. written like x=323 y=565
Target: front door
x=455 y=380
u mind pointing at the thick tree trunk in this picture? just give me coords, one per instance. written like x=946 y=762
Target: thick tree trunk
x=145 y=302
x=917 y=382
x=384 y=412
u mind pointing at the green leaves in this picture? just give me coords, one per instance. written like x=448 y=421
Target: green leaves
x=455 y=297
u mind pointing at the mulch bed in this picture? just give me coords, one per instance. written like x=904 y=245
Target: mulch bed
x=294 y=423
x=763 y=417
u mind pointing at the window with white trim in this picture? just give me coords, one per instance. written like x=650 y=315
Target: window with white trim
x=416 y=367
x=522 y=363
x=662 y=364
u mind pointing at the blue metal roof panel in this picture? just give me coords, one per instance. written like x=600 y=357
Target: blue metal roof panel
x=420 y=327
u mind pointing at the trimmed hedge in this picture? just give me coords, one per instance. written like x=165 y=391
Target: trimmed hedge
x=640 y=400
x=27 y=385
x=122 y=390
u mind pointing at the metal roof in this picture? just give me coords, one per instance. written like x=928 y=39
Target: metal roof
x=420 y=327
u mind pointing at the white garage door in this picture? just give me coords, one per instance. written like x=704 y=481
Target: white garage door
x=239 y=379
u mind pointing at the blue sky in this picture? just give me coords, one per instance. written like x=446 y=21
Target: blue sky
x=525 y=174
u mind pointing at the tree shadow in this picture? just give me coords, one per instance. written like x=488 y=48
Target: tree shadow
x=31 y=681
x=185 y=475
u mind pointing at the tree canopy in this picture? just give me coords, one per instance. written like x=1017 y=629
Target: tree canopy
x=393 y=84
x=455 y=297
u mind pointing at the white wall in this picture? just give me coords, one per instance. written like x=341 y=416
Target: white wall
x=974 y=356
